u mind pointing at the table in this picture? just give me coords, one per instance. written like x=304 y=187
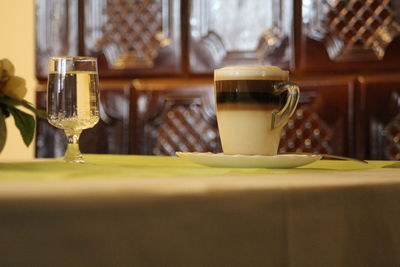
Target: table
x=165 y=211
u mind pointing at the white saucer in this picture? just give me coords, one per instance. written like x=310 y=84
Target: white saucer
x=279 y=161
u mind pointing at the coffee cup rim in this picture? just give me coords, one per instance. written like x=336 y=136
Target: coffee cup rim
x=248 y=72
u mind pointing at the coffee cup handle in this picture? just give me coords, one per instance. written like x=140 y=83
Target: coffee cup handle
x=280 y=118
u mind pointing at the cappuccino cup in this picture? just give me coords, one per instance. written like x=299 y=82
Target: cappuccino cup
x=253 y=105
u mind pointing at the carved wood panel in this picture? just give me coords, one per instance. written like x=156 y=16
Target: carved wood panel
x=188 y=39
x=109 y=136
x=135 y=37
x=181 y=117
x=174 y=116
x=323 y=121
x=306 y=131
x=342 y=35
x=130 y=38
x=378 y=117
x=241 y=32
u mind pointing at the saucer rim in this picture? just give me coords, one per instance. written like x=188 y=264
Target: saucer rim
x=212 y=154
x=264 y=161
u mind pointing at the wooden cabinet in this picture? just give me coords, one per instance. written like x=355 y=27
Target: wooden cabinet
x=174 y=115
x=323 y=121
x=179 y=115
x=128 y=37
x=378 y=117
x=339 y=52
x=347 y=36
x=133 y=37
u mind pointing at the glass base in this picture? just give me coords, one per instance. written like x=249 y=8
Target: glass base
x=73 y=154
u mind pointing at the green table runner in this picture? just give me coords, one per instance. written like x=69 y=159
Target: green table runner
x=131 y=166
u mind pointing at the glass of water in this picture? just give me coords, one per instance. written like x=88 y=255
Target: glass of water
x=73 y=99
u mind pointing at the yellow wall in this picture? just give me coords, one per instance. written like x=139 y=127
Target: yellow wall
x=17 y=43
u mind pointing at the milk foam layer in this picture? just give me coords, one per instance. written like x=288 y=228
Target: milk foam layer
x=251 y=73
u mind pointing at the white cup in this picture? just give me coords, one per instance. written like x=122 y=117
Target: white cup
x=253 y=105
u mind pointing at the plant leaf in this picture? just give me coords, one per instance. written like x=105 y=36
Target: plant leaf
x=25 y=124
x=41 y=113
x=15 y=102
x=4 y=110
x=10 y=101
x=3 y=131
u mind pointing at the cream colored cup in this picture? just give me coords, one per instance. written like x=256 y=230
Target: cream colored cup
x=253 y=105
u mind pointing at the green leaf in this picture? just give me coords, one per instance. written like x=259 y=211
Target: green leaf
x=41 y=113
x=25 y=124
x=3 y=131
x=4 y=110
x=10 y=101
x=15 y=102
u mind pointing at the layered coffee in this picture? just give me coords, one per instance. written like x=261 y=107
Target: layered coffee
x=251 y=94
x=247 y=98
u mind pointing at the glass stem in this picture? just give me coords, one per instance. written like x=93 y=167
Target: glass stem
x=73 y=154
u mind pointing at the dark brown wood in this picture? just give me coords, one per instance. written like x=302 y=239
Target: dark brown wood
x=323 y=122
x=340 y=52
x=297 y=33
x=174 y=115
x=316 y=60
x=133 y=38
x=168 y=111
x=109 y=136
x=349 y=36
x=378 y=117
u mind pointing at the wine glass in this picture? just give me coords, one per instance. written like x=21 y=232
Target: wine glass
x=73 y=99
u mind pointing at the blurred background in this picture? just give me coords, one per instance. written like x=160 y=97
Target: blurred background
x=156 y=61
x=17 y=43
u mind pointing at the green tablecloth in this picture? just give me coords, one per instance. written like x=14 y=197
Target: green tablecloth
x=166 y=211
x=120 y=166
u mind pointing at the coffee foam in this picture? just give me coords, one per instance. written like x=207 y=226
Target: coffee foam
x=251 y=73
x=247 y=106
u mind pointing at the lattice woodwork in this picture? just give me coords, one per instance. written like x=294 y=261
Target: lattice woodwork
x=306 y=132
x=130 y=34
x=245 y=32
x=183 y=128
x=354 y=30
x=174 y=115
